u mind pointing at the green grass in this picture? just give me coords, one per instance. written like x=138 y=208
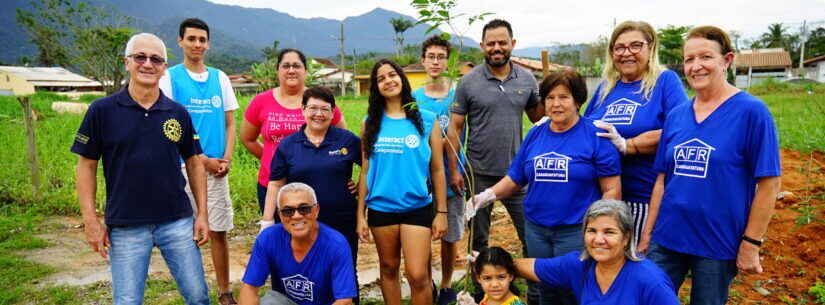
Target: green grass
x=800 y=119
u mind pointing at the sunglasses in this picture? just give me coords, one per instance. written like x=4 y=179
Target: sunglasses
x=304 y=210
x=141 y=59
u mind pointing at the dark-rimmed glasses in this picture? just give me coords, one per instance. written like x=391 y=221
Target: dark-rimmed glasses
x=303 y=210
x=634 y=47
x=141 y=59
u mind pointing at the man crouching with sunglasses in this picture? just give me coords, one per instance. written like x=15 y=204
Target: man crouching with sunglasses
x=141 y=136
x=318 y=268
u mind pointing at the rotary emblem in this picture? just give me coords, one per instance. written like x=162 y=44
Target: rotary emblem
x=172 y=130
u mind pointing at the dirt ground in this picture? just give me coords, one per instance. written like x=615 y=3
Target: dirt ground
x=793 y=255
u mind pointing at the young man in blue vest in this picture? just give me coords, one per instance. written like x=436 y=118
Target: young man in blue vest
x=207 y=94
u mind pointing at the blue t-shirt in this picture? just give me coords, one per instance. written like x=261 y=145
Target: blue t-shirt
x=141 y=151
x=326 y=168
x=400 y=166
x=711 y=169
x=626 y=108
x=441 y=108
x=638 y=283
x=563 y=171
x=204 y=101
x=325 y=275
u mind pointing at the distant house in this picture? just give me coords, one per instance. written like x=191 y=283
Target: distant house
x=535 y=66
x=415 y=73
x=755 y=66
x=815 y=68
x=25 y=80
x=243 y=84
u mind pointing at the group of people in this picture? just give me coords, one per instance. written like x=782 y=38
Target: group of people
x=614 y=204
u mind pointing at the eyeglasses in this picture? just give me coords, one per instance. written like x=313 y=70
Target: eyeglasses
x=322 y=110
x=433 y=58
x=304 y=210
x=634 y=47
x=141 y=59
x=295 y=66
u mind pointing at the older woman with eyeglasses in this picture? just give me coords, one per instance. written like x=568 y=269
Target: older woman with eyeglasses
x=631 y=104
x=277 y=113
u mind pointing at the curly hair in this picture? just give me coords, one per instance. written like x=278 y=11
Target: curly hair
x=378 y=103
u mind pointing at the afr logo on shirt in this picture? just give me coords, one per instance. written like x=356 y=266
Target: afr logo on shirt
x=551 y=167
x=692 y=158
x=298 y=287
x=621 y=112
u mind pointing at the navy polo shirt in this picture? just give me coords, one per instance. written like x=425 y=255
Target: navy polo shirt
x=141 y=151
x=326 y=168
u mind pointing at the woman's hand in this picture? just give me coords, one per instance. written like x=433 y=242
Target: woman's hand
x=613 y=135
x=479 y=201
x=748 y=258
x=363 y=230
x=439 y=226
x=644 y=242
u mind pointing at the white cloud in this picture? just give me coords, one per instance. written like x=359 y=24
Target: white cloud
x=542 y=22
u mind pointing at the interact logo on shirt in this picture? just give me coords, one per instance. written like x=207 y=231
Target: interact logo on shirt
x=412 y=141
x=216 y=101
x=339 y=152
x=621 y=112
x=551 y=167
x=298 y=287
x=692 y=158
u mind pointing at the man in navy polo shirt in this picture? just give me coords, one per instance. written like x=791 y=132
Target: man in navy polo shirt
x=141 y=136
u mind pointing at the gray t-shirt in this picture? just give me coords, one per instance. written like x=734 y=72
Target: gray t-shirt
x=493 y=110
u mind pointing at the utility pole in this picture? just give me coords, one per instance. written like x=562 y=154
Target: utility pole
x=804 y=39
x=341 y=68
x=354 y=62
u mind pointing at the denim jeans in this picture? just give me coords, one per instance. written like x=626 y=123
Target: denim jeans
x=132 y=248
x=543 y=242
x=711 y=277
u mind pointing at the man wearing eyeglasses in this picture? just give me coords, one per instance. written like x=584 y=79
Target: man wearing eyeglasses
x=207 y=94
x=141 y=136
x=310 y=263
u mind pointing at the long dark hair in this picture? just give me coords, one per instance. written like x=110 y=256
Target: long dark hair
x=496 y=256
x=377 y=105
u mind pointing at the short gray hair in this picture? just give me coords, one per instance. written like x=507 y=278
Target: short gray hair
x=296 y=187
x=619 y=211
x=131 y=43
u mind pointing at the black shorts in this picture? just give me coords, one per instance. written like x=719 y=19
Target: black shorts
x=419 y=217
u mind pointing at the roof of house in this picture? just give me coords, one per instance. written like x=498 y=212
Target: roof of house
x=326 y=62
x=763 y=59
x=416 y=67
x=535 y=65
x=50 y=76
x=814 y=59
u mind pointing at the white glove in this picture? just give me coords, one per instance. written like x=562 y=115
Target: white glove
x=265 y=224
x=479 y=201
x=464 y=298
x=472 y=258
x=612 y=134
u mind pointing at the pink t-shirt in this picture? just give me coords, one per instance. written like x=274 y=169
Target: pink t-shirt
x=276 y=122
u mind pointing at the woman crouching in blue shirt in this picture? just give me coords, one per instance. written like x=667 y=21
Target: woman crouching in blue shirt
x=567 y=166
x=402 y=150
x=608 y=271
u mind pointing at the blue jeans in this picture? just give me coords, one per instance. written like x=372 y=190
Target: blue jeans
x=132 y=248
x=711 y=277
x=543 y=242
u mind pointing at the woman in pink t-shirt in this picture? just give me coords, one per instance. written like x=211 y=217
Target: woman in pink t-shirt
x=276 y=113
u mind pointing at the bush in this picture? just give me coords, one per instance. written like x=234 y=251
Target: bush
x=772 y=86
x=818 y=292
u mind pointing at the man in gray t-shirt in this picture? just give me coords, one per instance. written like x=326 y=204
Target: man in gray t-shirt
x=491 y=100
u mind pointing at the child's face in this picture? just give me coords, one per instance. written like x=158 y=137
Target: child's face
x=495 y=281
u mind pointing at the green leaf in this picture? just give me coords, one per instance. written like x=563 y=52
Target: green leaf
x=444 y=13
x=424 y=13
x=432 y=28
x=445 y=36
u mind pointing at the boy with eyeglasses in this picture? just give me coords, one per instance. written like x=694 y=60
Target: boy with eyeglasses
x=207 y=94
x=310 y=263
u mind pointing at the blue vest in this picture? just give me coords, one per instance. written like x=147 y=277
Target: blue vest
x=204 y=101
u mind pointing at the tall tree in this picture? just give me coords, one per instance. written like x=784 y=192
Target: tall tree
x=775 y=37
x=271 y=52
x=400 y=25
x=80 y=37
x=671 y=40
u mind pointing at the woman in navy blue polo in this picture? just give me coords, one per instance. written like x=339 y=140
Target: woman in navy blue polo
x=322 y=156
x=632 y=101
x=718 y=175
x=567 y=167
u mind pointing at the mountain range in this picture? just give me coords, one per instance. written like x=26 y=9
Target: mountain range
x=234 y=30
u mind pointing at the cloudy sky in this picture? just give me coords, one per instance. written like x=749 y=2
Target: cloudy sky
x=543 y=22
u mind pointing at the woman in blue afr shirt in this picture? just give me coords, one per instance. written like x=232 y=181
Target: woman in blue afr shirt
x=608 y=271
x=567 y=167
x=632 y=101
x=718 y=175
x=401 y=148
